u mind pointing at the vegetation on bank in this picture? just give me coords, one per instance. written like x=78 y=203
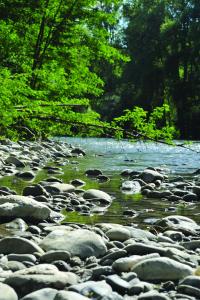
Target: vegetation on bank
x=88 y=67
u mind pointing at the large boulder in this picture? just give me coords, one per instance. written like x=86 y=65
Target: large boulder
x=80 y=242
x=161 y=268
x=43 y=294
x=14 y=206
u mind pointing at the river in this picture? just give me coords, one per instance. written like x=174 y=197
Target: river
x=112 y=157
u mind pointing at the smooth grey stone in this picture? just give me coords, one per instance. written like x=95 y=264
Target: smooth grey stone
x=174 y=235
x=189 y=290
x=140 y=287
x=22 y=257
x=7 y=292
x=142 y=249
x=118 y=284
x=19 y=245
x=93 y=194
x=118 y=234
x=99 y=271
x=43 y=294
x=114 y=255
x=34 y=190
x=163 y=268
x=191 y=280
x=78 y=151
x=132 y=186
x=15 y=265
x=23 y=207
x=68 y=295
x=34 y=229
x=17 y=224
x=61 y=265
x=126 y=264
x=99 y=288
x=80 y=242
x=53 y=255
x=41 y=276
x=59 y=187
x=153 y=295
x=15 y=161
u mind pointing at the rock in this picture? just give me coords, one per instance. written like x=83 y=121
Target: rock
x=153 y=295
x=78 y=151
x=23 y=207
x=163 y=268
x=59 y=188
x=43 y=294
x=53 y=255
x=19 y=245
x=15 y=161
x=149 y=175
x=22 y=257
x=132 y=186
x=93 y=172
x=178 y=223
x=126 y=264
x=15 y=265
x=190 y=197
x=7 y=293
x=93 y=194
x=80 y=242
x=67 y=295
x=99 y=288
x=141 y=249
x=190 y=285
x=77 y=182
x=38 y=277
x=26 y=175
x=34 y=190
x=118 y=284
x=120 y=234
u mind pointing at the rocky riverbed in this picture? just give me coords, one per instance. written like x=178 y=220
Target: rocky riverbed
x=44 y=258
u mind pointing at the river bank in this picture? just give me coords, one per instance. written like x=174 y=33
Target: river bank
x=44 y=255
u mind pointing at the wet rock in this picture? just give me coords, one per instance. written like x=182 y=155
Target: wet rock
x=103 y=178
x=93 y=172
x=149 y=175
x=34 y=190
x=80 y=242
x=163 y=268
x=15 y=161
x=7 y=293
x=132 y=186
x=190 y=285
x=94 y=194
x=190 y=197
x=78 y=151
x=15 y=265
x=23 y=207
x=141 y=249
x=59 y=188
x=77 y=182
x=26 y=175
x=19 y=245
x=43 y=294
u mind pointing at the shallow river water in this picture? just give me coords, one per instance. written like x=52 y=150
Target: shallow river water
x=112 y=157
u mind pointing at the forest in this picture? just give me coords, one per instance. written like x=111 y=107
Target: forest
x=100 y=68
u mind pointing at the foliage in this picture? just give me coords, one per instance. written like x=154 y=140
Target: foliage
x=152 y=125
